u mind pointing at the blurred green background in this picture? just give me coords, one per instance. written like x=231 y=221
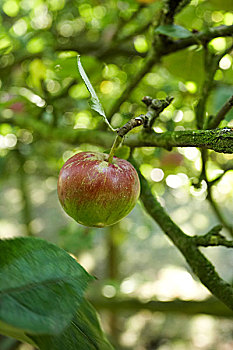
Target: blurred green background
x=42 y=92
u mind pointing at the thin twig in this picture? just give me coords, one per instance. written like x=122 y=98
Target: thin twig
x=213 y=204
x=212 y=238
x=218 y=212
x=155 y=107
x=121 y=132
x=215 y=121
x=198 y=38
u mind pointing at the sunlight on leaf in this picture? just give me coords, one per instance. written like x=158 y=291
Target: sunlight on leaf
x=95 y=103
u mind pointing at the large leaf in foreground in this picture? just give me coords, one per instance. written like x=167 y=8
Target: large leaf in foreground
x=83 y=333
x=41 y=287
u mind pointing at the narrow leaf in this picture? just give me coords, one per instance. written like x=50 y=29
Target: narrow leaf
x=41 y=286
x=95 y=103
x=173 y=31
x=84 y=332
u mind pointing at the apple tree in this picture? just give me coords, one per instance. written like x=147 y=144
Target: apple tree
x=120 y=98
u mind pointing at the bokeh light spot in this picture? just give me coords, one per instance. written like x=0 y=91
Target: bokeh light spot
x=157 y=174
x=141 y=44
x=11 y=8
x=225 y=62
x=109 y=291
x=106 y=87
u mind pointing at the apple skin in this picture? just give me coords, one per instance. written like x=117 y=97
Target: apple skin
x=95 y=192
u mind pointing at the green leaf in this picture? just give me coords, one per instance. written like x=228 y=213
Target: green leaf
x=84 y=332
x=95 y=103
x=41 y=287
x=174 y=31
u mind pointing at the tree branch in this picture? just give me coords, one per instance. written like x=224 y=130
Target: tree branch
x=219 y=140
x=217 y=211
x=215 y=121
x=155 y=55
x=200 y=265
x=155 y=107
x=198 y=38
x=211 y=65
x=172 y=8
x=203 y=176
x=212 y=238
x=210 y=306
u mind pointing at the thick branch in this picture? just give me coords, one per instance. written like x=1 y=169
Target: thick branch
x=209 y=307
x=219 y=140
x=200 y=265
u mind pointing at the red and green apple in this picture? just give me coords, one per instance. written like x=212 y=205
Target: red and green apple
x=95 y=192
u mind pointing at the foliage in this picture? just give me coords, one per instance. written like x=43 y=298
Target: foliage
x=129 y=49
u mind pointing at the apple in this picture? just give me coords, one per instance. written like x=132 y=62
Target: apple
x=95 y=192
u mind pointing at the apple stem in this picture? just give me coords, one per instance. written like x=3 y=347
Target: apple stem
x=121 y=132
x=115 y=145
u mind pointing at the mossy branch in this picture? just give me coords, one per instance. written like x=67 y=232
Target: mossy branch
x=200 y=265
x=219 y=140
